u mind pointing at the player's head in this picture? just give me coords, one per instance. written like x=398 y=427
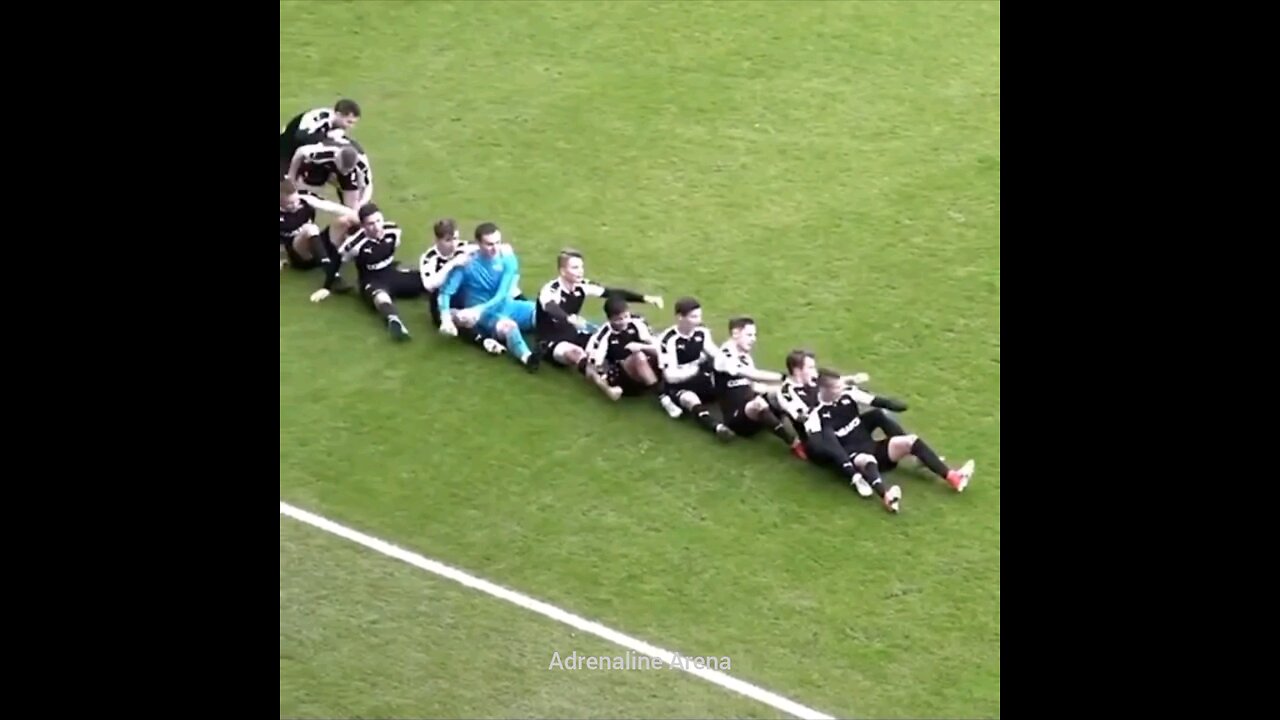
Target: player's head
x=489 y=238
x=372 y=220
x=618 y=312
x=346 y=113
x=688 y=314
x=802 y=365
x=829 y=385
x=289 y=198
x=348 y=156
x=446 y=232
x=571 y=266
x=743 y=332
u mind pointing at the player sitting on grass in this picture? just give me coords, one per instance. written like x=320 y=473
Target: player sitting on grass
x=840 y=420
x=382 y=280
x=446 y=253
x=304 y=245
x=739 y=388
x=683 y=352
x=562 y=331
x=485 y=284
x=620 y=353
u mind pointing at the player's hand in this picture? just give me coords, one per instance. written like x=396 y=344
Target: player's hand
x=468 y=317
x=319 y=295
x=578 y=321
x=859 y=378
x=448 y=328
x=462 y=260
x=654 y=300
x=309 y=230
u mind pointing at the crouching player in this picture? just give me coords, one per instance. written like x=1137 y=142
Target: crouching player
x=841 y=423
x=620 y=353
x=446 y=253
x=743 y=403
x=563 y=333
x=485 y=284
x=304 y=244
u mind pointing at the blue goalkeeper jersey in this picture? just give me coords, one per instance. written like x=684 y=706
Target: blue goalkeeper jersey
x=483 y=281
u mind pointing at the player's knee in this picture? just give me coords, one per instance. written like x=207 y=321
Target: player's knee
x=758 y=405
x=381 y=298
x=862 y=460
x=904 y=441
x=504 y=327
x=689 y=400
x=308 y=231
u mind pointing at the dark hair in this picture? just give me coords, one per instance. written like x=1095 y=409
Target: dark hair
x=828 y=375
x=366 y=210
x=287 y=187
x=686 y=305
x=348 y=156
x=614 y=306
x=444 y=228
x=796 y=358
x=485 y=228
x=564 y=256
x=346 y=106
x=740 y=322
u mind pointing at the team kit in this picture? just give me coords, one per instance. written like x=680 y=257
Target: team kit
x=472 y=293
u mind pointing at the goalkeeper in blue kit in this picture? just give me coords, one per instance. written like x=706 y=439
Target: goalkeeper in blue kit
x=485 y=284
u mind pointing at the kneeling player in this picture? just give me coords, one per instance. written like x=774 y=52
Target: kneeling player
x=842 y=425
x=683 y=351
x=742 y=401
x=620 y=353
x=302 y=241
x=445 y=254
x=382 y=280
x=563 y=333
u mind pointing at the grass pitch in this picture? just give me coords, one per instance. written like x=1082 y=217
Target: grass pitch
x=830 y=168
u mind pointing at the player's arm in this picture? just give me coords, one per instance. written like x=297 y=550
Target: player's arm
x=729 y=365
x=444 y=298
x=328 y=206
x=880 y=401
x=855 y=379
x=364 y=177
x=549 y=301
x=510 y=271
x=594 y=290
x=303 y=153
x=598 y=348
x=433 y=279
x=791 y=402
x=646 y=342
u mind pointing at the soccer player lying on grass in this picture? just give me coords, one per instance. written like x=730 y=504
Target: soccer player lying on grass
x=341 y=162
x=315 y=125
x=563 y=333
x=485 y=284
x=683 y=352
x=446 y=253
x=304 y=245
x=620 y=353
x=841 y=423
x=382 y=280
x=741 y=392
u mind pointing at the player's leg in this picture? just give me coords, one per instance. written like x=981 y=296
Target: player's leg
x=640 y=371
x=377 y=292
x=567 y=351
x=689 y=396
x=878 y=418
x=759 y=412
x=508 y=331
x=465 y=334
x=900 y=446
x=869 y=467
x=606 y=381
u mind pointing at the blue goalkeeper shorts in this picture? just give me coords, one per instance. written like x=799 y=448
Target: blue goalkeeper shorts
x=519 y=311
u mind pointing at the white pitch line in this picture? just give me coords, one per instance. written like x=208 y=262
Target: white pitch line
x=716 y=677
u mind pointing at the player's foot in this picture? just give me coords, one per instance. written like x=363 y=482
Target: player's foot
x=893 y=499
x=724 y=433
x=862 y=486
x=614 y=393
x=670 y=406
x=959 y=479
x=340 y=287
x=493 y=347
x=397 y=329
x=531 y=362
x=797 y=449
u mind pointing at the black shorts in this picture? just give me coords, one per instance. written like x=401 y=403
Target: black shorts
x=617 y=377
x=398 y=283
x=878 y=448
x=455 y=303
x=296 y=261
x=736 y=419
x=548 y=344
x=701 y=385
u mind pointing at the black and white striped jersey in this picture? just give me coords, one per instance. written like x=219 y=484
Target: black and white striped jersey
x=320 y=165
x=314 y=124
x=732 y=389
x=842 y=416
x=292 y=220
x=433 y=261
x=797 y=400
x=680 y=357
x=606 y=343
x=570 y=300
x=370 y=254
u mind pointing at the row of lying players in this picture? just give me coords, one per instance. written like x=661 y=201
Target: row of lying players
x=472 y=294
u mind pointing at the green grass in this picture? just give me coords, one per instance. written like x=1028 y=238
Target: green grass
x=832 y=169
